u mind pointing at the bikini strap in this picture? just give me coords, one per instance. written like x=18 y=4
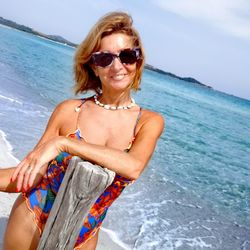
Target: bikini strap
x=78 y=109
x=137 y=120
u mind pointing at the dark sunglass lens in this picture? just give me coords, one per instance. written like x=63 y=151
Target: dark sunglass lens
x=103 y=59
x=128 y=56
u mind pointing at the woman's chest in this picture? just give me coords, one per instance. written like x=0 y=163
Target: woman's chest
x=112 y=131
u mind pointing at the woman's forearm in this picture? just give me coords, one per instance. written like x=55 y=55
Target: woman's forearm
x=5 y=184
x=118 y=161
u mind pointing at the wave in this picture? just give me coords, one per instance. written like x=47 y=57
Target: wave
x=114 y=237
x=6 y=154
x=10 y=99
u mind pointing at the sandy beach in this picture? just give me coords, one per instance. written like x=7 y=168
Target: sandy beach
x=106 y=241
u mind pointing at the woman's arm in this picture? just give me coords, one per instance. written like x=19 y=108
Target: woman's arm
x=20 y=175
x=129 y=165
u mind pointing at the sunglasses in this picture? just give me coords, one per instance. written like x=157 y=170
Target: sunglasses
x=126 y=56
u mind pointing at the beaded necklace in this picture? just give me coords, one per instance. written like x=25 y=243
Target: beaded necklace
x=108 y=107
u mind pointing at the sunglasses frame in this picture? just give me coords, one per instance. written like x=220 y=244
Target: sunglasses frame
x=136 y=50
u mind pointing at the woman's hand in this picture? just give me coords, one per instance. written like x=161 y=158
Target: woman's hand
x=36 y=163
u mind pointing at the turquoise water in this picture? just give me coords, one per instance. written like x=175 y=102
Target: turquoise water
x=195 y=193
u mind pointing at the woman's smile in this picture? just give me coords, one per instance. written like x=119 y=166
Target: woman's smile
x=118 y=77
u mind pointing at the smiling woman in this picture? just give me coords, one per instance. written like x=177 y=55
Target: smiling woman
x=116 y=76
x=109 y=62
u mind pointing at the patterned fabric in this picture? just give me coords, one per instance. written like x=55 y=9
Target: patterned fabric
x=41 y=198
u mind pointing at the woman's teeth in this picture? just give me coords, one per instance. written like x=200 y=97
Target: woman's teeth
x=118 y=77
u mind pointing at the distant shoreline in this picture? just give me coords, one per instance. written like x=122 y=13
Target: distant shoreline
x=62 y=40
x=186 y=79
x=34 y=32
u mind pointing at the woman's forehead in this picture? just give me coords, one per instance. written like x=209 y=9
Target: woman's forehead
x=116 y=42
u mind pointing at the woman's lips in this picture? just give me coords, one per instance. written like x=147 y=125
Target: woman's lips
x=118 y=77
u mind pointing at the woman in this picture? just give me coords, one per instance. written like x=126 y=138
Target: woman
x=108 y=129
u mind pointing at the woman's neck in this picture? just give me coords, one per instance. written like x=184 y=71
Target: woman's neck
x=115 y=99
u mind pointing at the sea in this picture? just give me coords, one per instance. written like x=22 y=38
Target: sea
x=195 y=192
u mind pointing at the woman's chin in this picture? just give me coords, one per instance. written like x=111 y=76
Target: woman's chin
x=119 y=85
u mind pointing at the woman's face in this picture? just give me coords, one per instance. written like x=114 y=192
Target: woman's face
x=117 y=76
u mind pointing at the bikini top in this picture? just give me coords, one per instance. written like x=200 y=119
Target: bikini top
x=78 y=131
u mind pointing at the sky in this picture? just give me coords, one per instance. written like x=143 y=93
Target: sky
x=208 y=40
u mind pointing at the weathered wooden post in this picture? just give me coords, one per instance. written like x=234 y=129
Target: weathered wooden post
x=82 y=185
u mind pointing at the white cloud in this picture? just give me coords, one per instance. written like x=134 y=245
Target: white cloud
x=231 y=16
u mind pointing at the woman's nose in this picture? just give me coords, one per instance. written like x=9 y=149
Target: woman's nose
x=117 y=64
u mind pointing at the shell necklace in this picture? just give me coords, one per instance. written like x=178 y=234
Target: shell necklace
x=107 y=106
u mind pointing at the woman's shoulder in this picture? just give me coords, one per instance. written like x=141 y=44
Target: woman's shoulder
x=147 y=115
x=151 y=120
x=68 y=105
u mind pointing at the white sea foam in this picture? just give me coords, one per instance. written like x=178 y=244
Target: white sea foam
x=6 y=155
x=115 y=238
x=10 y=99
x=53 y=41
x=170 y=239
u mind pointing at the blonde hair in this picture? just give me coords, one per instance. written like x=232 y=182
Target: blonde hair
x=113 y=22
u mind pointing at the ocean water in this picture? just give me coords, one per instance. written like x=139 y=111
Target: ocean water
x=194 y=194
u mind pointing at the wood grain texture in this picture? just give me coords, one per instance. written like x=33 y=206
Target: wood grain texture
x=83 y=183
